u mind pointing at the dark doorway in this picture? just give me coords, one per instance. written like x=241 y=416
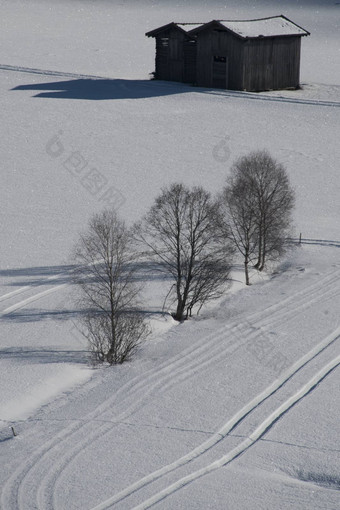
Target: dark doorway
x=220 y=72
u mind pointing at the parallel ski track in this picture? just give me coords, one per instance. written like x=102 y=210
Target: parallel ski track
x=8 y=311
x=179 y=368
x=12 y=486
x=261 y=429
x=46 y=72
x=225 y=429
x=260 y=97
x=35 y=297
x=23 y=290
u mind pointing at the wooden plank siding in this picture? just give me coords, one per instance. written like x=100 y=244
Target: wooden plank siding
x=271 y=63
x=190 y=61
x=217 y=43
x=170 y=56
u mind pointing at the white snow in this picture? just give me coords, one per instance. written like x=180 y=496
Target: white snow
x=189 y=26
x=76 y=101
x=34 y=386
x=270 y=27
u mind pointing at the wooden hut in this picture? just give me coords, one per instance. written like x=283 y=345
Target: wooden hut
x=175 y=52
x=253 y=55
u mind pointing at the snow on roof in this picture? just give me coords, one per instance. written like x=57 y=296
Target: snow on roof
x=266 y=27
x=189 y=26
x=186 y=27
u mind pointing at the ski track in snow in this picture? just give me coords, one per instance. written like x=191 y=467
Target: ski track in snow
x=247 y=443
x=49 y=462
x=187 y=370
x=257 y=96
x=223 y=431
x=23 y=290
x=31 y=299
x=46 y=72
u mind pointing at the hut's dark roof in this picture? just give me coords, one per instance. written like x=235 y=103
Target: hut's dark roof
x=183 y=27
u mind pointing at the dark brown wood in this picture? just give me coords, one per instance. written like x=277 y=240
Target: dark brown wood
x=170 y=54
x=213 y=45
x=271 y=63
x=190 y=61
x=215 y=56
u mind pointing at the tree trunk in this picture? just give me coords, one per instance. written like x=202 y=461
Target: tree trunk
x=180 y=310
x=259 y=255
x=246 y=271
x=263 y=258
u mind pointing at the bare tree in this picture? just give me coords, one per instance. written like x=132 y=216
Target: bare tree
x=258 y=201
x=109 y=295
x=274 y=196
x=179 y=231
x=239 y=219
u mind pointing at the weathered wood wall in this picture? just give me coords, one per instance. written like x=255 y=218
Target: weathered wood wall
x=170 y=56
x=271 y=63
x=219 y=59
x=190 y=61
x=215 y=43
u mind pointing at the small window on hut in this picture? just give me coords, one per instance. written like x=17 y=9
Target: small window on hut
x=220 y=59
x=175 y=49
x=165 y=41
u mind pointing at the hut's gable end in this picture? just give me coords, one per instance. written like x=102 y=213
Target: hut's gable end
x=219 y=59
x=170 y=55
x=175 y=52
x=271 y=63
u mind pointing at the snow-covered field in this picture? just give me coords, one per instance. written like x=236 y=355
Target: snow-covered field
x=235 y=409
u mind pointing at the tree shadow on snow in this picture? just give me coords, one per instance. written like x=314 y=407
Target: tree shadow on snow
x=35 y=315
x=34 y=356
x=40 y=275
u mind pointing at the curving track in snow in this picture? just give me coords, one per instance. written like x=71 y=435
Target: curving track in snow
x=43 y=470
x=228 y=427
x=187 y=366
x=247 y=443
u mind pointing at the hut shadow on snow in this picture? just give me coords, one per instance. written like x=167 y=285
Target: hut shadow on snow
x=105 y=89
x=111 y=89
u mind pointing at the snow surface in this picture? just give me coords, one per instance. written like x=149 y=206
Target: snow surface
x=269 y=27
x=76 y=101
x=189 y=26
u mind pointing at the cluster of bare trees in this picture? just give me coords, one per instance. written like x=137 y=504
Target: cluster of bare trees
x=192 y=237
x=256 y=205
